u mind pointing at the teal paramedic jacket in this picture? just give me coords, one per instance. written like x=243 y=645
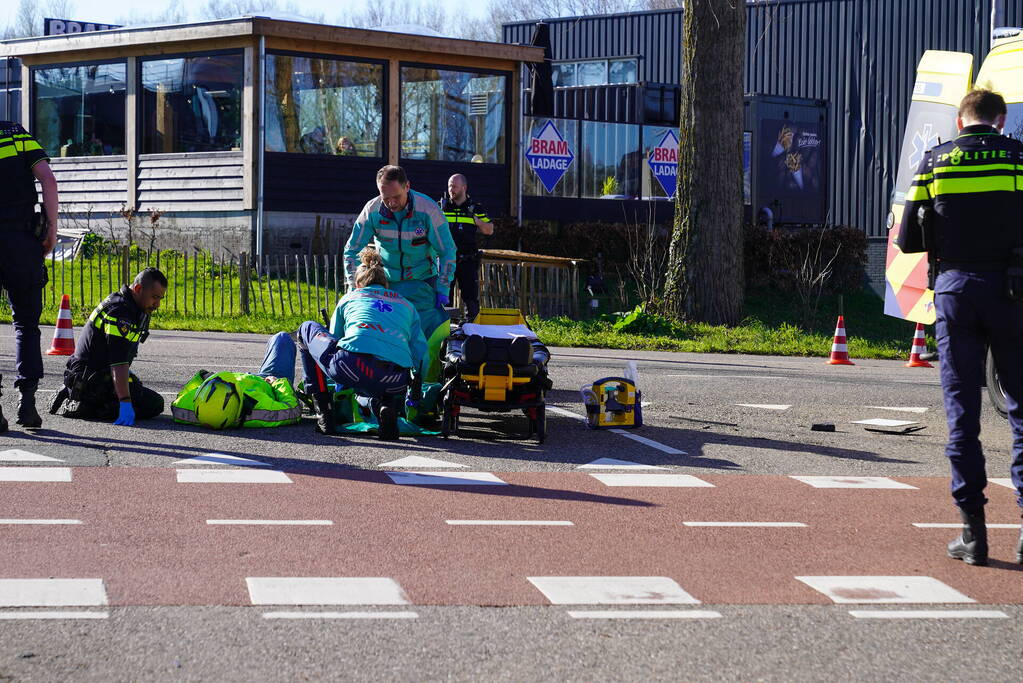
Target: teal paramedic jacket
x=410 y=241
x=379 y=322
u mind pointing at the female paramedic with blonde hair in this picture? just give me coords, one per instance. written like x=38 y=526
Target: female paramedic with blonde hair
x=377 y=343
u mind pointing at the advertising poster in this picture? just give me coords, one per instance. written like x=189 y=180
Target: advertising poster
x=792 y=168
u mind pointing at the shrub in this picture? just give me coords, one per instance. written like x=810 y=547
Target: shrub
x=773 y=257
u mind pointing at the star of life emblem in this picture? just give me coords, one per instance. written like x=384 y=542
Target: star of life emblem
x=923 y=140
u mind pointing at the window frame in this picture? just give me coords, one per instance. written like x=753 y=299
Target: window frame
x=607 y=69
x=508 y=121
x=140 y=96
x=30 y=124
x=385 y=122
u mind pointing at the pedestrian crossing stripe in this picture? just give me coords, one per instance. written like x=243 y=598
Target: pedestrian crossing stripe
x=613 y=464
x=652 y=480
x=18 y=455
x=309 y=590
x=820 y=482
x=884 y=589
x=35 y=474
x=612 y=590
x=445 y=479
x=222 y=459
x=52 y=593
x=232 y=477
x=420 y=461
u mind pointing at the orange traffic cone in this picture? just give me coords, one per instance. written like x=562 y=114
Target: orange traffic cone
x=839 y=350
x=919 y=346
x=64 y=334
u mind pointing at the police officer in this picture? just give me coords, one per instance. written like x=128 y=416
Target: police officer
x=25 y=239
x=965 y=207
x=98 y=383
x=465 y=218
x=414 y=241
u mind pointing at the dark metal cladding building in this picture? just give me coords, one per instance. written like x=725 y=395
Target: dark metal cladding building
x=859 y=56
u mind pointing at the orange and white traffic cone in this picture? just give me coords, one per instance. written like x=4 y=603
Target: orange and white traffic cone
x=64 y=334
x=919 y=346
x=839 y=349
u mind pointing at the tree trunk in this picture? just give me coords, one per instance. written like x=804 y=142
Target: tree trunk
x=704 y=280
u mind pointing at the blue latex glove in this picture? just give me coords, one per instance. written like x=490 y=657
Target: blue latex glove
x=442 y=300
x=126 y=417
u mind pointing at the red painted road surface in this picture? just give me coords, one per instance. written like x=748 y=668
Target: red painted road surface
x=146 y=536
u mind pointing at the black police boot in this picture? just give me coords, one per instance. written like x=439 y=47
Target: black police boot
x=324 y=407
x=971 y=546
x=28 y=416
x=387 y=417
x=1019 y=548
x=58 y=400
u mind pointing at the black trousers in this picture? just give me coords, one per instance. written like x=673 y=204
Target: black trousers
x=467 y=275
x=94 y=398
x=23 y=275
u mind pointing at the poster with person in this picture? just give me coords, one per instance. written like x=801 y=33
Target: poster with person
x=792 y=169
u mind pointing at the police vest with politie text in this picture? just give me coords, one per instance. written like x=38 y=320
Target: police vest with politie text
x=462 y=222
x=967 y=188
x=111 y=336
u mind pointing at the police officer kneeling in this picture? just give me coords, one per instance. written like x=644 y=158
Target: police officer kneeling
x=965 y=208
x=97 y=382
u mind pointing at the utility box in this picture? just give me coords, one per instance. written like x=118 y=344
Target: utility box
x=786 y=159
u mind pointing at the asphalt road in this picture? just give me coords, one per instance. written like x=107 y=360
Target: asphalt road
x=613 y=579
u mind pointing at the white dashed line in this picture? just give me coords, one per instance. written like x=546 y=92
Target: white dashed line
x=649 y=442
x=659 y=480
x=613 y=464
x=884 y=589
x=765 y=406
x=928 y=614
x=325 y=591
x=52 y=593
x=232 y=477
x=445 y=479
x=746 y=524
x=853 y=483
x=18 y=455
x=222 y=459
x=340 y=615
x=53 y=615
x=43 y=521
x=612 y=590
x=507 y=522
x=884 y=422
x=645 y=614
x=269 y=522
x=419 y=461
x=900 y=409
x=25 y=474
x=941 y=525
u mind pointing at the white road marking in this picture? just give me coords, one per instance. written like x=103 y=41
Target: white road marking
x=270 y=522
x=54 y=615
x=933 y=525
x=1002 y=481
x=612 y=590
x=566 y=413
x=649 y=442
x=645 y=614
x=695 y=376
x=18 y=455
x=45 y=521
x=222 y=459
x=325 y=591
x=507 y=522
x=232 y=477
x=421 y=461
x=746 y=524
x=660 y=480
x=765 y=406
x=613 y=464
x=884 y=422
x=445 y=479
x=52 y=593
x=928 y=614
x=853 y=483
x=900 y=409
x=884 y=589
x=340 y=615
x=59 y=474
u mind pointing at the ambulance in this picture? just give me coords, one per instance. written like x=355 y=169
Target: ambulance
x=942 y=80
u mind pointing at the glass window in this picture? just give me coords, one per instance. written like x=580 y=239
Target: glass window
x=568 y=185
x=649 y=185
x=192 y=104
x=452 y=115
x=564 y=75
x=324 y=106
x=622 y=71
x=79 y=110
x=609 y=160
x=591 y=73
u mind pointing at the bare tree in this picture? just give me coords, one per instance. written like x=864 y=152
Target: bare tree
x=28 y=18
x=174 y=13
x=704 y=278
x=224 y=9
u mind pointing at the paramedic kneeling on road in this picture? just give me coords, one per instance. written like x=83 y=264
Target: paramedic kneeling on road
x=377 y=340
x=411 y=235
x=97 y=382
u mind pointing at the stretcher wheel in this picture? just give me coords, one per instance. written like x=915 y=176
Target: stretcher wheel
x=538 y=425
x=448 y=420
